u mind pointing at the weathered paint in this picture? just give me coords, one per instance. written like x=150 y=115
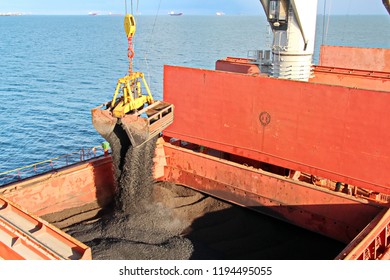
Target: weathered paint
x=26 y=236
x=64 y=188
x=369 y=59
x=373 y=242
x=334 y=132
x=317 y=209
x=330 y=75
x=379 y=81
x=238 y=65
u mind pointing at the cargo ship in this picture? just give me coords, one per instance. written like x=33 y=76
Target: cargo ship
x=173 y=13
x=303 y=144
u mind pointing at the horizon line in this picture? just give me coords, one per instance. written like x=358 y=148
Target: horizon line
x=151 y=14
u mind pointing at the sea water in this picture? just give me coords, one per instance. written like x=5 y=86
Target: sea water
x=55 y=69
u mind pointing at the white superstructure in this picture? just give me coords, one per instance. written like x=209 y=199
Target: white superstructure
x=293 y=23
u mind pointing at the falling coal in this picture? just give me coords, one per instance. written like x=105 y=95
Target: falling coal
x=136 y=227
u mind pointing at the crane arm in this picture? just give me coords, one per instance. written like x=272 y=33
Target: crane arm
x=387 y=5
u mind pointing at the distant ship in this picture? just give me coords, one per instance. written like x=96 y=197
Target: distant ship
x=10 y=14
x=111 y=14
x=92 y=13
x=220 y=13
x=175 y=14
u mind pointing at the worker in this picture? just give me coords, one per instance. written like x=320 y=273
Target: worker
x=106 y=147
x=338 y=186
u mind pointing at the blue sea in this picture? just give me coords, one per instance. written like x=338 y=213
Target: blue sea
x=55 y=69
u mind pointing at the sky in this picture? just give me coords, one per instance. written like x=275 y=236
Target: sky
x=190 y=7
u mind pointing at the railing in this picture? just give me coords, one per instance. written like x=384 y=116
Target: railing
x=24 y=172
x=373 y=242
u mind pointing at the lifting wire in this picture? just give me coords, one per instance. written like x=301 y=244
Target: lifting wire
x=348 y=19
x=131 y=40
x=130 y=49
x=149 y=44
x=323 y=23
x=327 y=24
x=130 y=6
x=325 y=30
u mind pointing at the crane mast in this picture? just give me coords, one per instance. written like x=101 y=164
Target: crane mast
x=293 y=24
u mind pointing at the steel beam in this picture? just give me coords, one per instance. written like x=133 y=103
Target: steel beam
x=371 y=80
x=25 y=236
x=373 y=242
x=326 y=212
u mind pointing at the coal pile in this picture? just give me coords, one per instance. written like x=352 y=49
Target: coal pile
x=160 y=221
x=135 y=227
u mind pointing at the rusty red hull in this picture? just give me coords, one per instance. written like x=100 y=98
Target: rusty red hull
x=333 y=214
x=66 y=188
x=326 y=212
x=331 y=131
x=368 y=59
